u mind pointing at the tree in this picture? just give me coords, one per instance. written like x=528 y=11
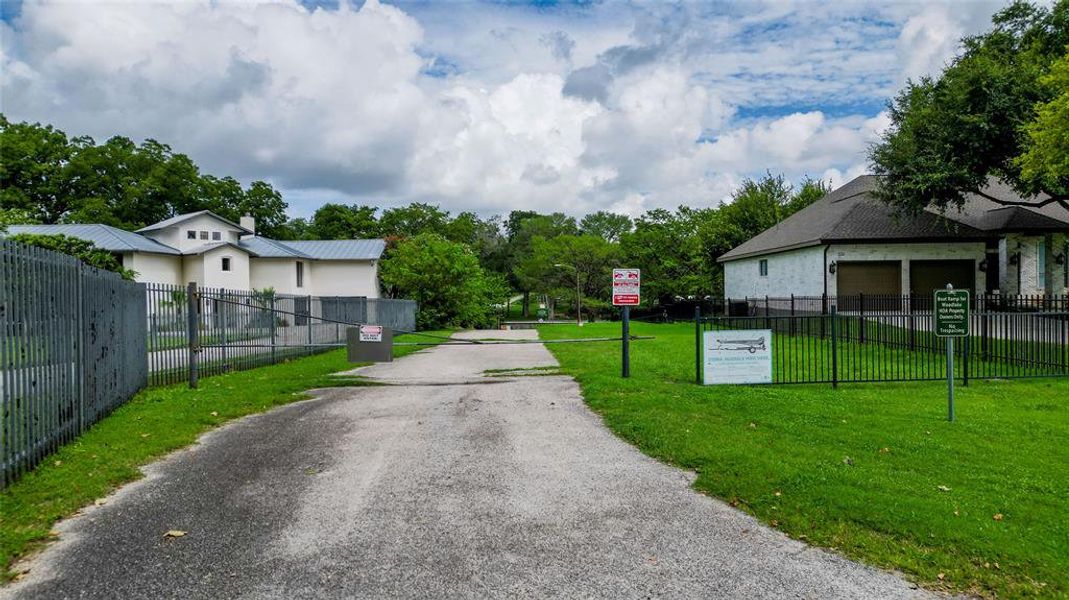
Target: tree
x=979 y=120
x=34 y=162
x=265 y=204
x=83 y=250
x=446 y=281
x=664 y=245
x=1045 y=164
x=609 y=226
x=559 y=265
x=341 y=222
x=412 y=220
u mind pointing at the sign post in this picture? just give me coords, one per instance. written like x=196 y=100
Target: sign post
x=626 y=292
x=951 y=317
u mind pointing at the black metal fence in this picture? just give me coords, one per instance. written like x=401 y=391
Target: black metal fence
x=881 y=303
x=901 y=346
x=216 y=330
x=72 y=348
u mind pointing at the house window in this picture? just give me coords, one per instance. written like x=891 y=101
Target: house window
x=217 y=236
x=226 y=263
x=762 y=268
x=300 y=274
x=191 y=235
x=204 y=235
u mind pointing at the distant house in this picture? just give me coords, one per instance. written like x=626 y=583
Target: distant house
x=850 y=243
x=214 y=252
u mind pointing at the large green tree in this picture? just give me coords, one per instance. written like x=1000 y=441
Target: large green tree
x=560 y=265
x=994 y=112
x=445 y=279
x=607 y=225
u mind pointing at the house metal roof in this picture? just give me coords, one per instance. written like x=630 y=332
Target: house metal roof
x=852 y=213
x=187 y=216
x=339 y=249
x=209 y=247
x=269 y=248
x=103 y=236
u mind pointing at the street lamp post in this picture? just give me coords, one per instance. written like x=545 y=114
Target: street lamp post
x=578 y=297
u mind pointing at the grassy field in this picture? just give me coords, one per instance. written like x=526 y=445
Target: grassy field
x=873 y=471
x=154 y=423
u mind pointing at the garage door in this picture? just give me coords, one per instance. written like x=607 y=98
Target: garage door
x=877 y=280
x=926 y=276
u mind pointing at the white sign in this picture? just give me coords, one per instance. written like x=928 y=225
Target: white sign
x=626 y=286
x=737 y=356
x=371 y=333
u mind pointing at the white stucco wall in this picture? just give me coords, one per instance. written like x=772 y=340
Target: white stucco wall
x=155 y=268
x=237 y=278
x=798 y=272
x=175 y=235
x=280 y=274
x=907 y=252
x=347 y=278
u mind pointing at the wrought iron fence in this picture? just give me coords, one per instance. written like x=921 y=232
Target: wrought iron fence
x=216 y=330
x=885 y=303
x=902 y=346
x=72 y=348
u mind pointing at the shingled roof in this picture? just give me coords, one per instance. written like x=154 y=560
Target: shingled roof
x=852 y=214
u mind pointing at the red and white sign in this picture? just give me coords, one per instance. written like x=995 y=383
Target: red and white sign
x=371 y=333
x=625 y=287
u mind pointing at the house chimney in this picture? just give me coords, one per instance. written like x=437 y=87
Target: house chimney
x=248 y=222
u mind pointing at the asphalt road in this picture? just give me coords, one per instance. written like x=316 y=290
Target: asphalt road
x=446 y=484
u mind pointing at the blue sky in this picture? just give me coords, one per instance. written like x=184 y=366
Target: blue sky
x=486 y=106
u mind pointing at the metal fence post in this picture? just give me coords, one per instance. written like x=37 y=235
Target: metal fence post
x=861 y=321
x=274 y=321
x=193 y=330
x=698 y=344
x=965 y=361
x=308 y=320
x=834 y=349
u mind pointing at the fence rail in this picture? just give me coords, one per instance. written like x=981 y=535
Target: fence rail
x=71 y=350
x=884 y=303
x=233 y=330
x=871 y=347
x=77 y=342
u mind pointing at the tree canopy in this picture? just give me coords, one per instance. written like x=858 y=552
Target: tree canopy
x=996 y=111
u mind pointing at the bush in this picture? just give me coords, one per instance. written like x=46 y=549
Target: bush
x=445 y=279
x=83 y=250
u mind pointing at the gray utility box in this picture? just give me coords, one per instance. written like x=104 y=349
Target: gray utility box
x=369 y=343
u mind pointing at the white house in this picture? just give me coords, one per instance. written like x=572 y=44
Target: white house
x=216 y=253
x=849 y=243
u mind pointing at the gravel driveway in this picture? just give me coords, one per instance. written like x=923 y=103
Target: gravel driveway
x=445 y=484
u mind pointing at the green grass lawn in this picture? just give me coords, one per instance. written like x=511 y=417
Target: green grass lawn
x=155 y=422
x=873 y=471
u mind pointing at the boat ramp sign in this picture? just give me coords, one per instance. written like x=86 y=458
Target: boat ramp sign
x=737 y=356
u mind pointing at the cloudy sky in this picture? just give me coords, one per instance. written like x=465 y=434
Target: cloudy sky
x=484 y=106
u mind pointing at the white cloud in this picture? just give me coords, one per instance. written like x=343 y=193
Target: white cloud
x=330 y=104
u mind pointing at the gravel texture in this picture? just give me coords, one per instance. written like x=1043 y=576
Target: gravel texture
x=445 y=484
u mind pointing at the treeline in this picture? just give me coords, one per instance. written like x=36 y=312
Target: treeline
x=461 y=267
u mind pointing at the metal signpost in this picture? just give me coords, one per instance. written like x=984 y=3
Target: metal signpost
x=951 y=316
x=626 y=292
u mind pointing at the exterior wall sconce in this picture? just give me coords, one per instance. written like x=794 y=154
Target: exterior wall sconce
x=983 y=265
x=1015 y=258
x=1059 y=259
x=831 y=267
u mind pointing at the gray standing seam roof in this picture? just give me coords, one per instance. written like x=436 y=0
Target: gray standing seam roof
x=185 y=217
x=106 y=237
x=339 y=249
x=269 y=248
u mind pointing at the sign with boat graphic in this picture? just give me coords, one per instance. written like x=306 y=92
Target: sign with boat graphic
x=737 y=356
